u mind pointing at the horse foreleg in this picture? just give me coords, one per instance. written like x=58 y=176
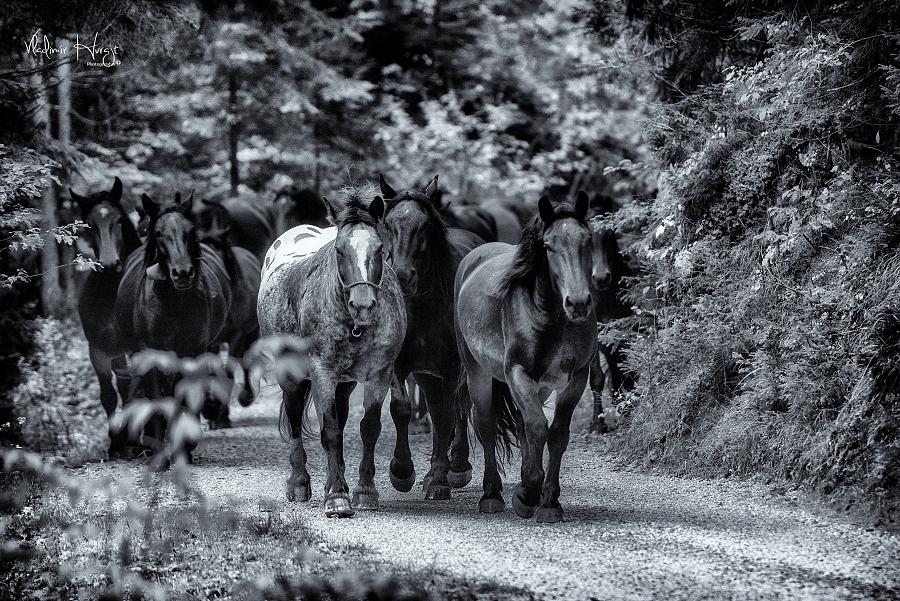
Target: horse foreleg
x=479 y=390
x=402 y=471
x=365 y=495
x=337 y=497
x=109 y=400
x=557 y=441
x=597 y=381
x=441 y=407
x=533 y=431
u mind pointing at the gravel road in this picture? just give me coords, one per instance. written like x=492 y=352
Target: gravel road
x=626 y=535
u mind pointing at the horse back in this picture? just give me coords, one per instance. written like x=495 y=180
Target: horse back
x=253 y=223
x=478 y=311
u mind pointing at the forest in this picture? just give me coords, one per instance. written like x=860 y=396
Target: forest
x=751 y=152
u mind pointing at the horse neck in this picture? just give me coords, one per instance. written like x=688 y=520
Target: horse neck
x=544 y=295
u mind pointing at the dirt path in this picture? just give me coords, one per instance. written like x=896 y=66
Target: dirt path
x=626 y=536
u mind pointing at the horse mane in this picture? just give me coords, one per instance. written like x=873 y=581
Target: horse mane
x=530 y=253
x=355 y=200
x=444 y=257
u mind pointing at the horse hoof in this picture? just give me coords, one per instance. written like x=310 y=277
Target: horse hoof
x=159 y=463
x=437 y=492
x=426 y=481
x=491 y=505
x=548 y=515
x=522 y=509
x=297 y=492
x=338 y=507
x=365 y=501
x=245 y=398
x=402 y=484
x=459 y=479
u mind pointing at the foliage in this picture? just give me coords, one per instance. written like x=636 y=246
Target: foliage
x=156 y=537
x=771 y=256
x=56 y=402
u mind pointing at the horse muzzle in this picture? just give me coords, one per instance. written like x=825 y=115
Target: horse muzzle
x=601 y=281
x=578 y=307
x=362 y=303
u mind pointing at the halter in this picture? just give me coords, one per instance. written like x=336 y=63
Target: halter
x=356 y=332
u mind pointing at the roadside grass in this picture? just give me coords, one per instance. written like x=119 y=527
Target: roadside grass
x=156 y=538
x=152 y=536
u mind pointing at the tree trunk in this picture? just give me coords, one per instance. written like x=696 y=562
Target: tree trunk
x=233 y=133
x=64 y=136
x=50 y=289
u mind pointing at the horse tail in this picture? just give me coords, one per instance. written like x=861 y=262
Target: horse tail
x=304 y=388
x=505 y=414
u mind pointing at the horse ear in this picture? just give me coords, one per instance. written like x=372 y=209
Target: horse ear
x=187 y=203
x=83 y=202
x=581 y=204
x=385 y=188
x=150 y=207
x=155 y=272
x=431 y=190
x=115 y=195
x=332 y=215
x=545 y=209
x=376 y=208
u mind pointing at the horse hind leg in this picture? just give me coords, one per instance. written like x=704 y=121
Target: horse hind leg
x=485 y=418
x=295 y=395
x=460 y=473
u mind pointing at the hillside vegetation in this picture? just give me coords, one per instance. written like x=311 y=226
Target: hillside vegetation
x=771 y=291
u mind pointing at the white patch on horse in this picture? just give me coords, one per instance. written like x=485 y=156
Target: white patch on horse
x=104 y=211
x=359 y=241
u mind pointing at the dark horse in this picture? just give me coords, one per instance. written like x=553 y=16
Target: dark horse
x=297 y=206
x=241 y=327
x=469 y=217
x=425 y=253
x=175 y=296
x=525 y=326
x=348 y=304
x=249 y=220
x=112 y=237
x=608 y=269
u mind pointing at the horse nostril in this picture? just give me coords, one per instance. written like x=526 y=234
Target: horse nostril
x=602 y=281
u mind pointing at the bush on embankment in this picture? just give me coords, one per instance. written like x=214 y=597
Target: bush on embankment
x=771 y=253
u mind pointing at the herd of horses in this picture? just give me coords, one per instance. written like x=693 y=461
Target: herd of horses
x=485 y=314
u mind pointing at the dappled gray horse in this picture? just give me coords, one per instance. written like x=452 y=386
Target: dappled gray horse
x=347 y=303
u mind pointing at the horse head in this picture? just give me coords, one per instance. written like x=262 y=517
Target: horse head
x=410 y=219
x=173 y=246
x=110 y=234
x=295 y=206
x=359 y=253
x=604 y=252
x=567 y=243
